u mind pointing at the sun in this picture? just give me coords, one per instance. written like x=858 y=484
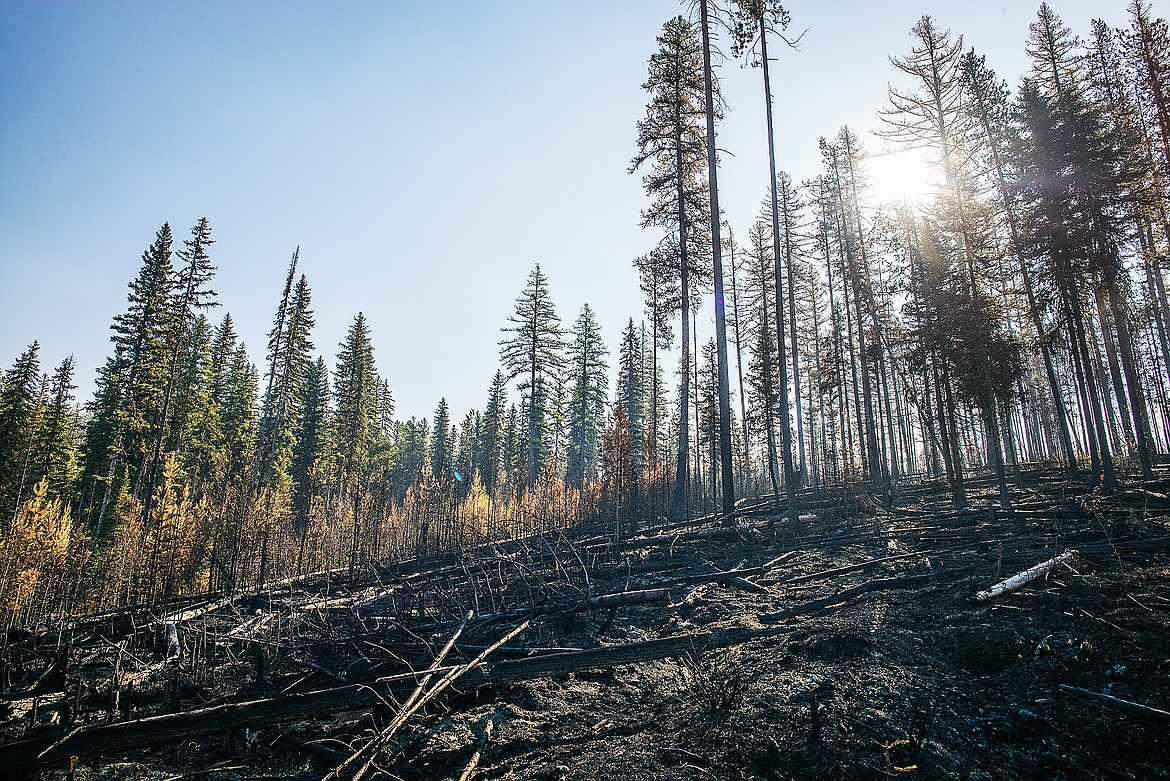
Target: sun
x=901 y=177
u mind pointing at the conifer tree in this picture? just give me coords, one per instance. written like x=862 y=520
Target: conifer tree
x=712 y=110
x=140 y=340
x=631 y=388
x=466 y=446
x=190 y=293
x=932 y=114
x=355 y=387
x=308 y=455
x=442 y=456
x=659 y=279
x=987 y=105
x=673 y=138
x=55 y=452
x=534 y=352
x=19 y=392
x=289 y=357
x=587 y=369
x=490 y=463
x=756 y=19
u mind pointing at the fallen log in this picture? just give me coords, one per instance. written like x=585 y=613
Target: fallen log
x=115 y=739
x=1120 y=704
x=603 y=602
x=1018 y=581
x=883 y=584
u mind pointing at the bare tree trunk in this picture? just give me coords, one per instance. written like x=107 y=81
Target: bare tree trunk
x=720 y=313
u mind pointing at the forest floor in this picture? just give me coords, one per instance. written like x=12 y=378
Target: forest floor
x=854 y=650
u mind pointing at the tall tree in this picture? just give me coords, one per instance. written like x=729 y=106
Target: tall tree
x=631 y=388
x=932 y=114
x=672 y=138
x=355 y=386
x=587 y=369
x=191 y=293
x=988 y=106
x=140 y=370
x=710 y=92
x=289 y=356
x=534 y=352
x=756 y=19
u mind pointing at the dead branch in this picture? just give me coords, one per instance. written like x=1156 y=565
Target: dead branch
x=484 y=737
x=1120 y=704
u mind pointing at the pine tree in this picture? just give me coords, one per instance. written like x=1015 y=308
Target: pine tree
x=466 y=447
x=588 y=372
x=659 y=279
x=411 y=441
x=712 y=111
x=102 y=441
x=933 y=114
x=765 y=360
x=139 y=370
x=535 y=354
x=989 y=110
x=1072 y=187
x=673 y=138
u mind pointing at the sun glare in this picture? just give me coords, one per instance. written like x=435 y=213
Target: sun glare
x=900 y=177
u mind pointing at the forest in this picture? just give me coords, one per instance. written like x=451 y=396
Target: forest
x=962 y=384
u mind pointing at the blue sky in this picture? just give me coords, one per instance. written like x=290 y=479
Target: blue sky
x=423 y=156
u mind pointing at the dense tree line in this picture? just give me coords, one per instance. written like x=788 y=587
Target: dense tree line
x=1018 y=315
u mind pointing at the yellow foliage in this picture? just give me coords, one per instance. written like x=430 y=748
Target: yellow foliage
x=34 y=546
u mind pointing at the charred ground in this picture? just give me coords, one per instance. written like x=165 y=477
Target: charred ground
x=852 y=650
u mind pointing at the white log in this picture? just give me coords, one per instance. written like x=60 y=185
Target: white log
x=1024 y=578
